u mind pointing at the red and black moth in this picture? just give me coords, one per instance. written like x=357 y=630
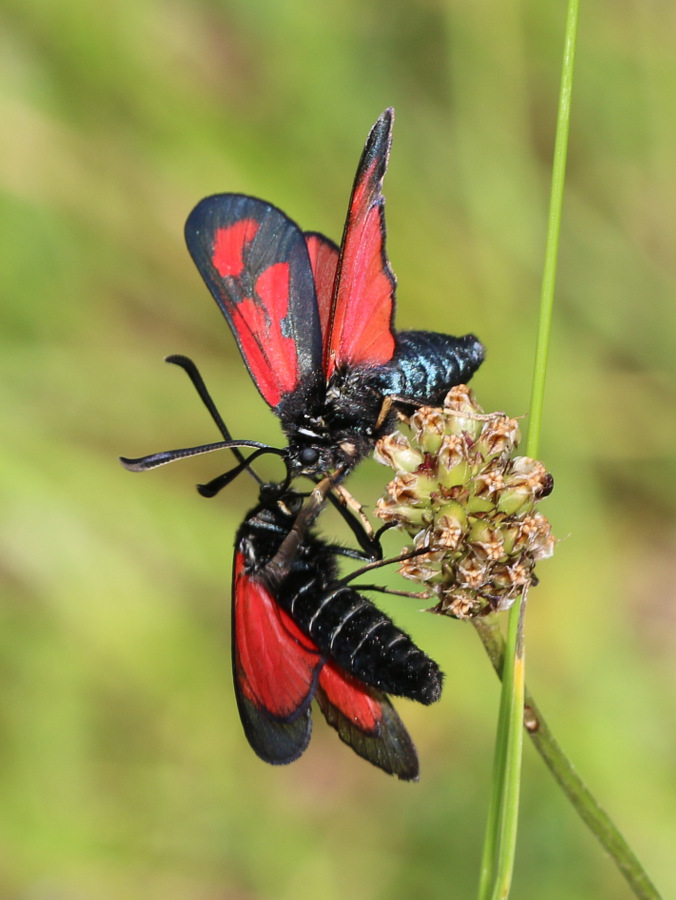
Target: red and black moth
x=315 y=323
x=300 y=634
x=315 y=326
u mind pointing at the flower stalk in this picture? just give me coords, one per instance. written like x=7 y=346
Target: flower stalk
x=589 y=809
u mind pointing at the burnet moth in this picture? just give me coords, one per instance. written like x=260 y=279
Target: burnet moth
x=300 y=633
x=315 y=323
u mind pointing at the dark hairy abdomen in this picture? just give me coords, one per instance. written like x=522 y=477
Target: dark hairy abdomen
x=345 y=626
x=426 y=365
x=358 y=636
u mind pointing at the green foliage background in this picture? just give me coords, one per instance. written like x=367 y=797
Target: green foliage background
x=123 y=769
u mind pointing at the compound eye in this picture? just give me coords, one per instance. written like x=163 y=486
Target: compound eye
x=309 y=456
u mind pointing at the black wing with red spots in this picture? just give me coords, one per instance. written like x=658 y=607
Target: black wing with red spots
x=255 y=262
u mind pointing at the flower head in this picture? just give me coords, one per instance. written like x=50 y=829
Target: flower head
x=468 y=504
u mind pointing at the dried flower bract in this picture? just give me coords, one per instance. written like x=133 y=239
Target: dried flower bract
x=468 y=504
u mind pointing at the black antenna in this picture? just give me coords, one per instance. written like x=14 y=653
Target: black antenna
x=154 y=460
x=211 y=488
x=144 y=463
x=195 y=376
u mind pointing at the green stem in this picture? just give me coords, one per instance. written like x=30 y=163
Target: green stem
x=553 y=230
x=562 y=769
x=500 y=843
x=497 y=863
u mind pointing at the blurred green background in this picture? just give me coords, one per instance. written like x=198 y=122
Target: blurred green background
x=124 y=771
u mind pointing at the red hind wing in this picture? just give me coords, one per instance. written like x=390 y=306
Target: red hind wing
x=278 y=671
x=255 y=262
x=324 y=256
x=275 y=669
x=366 y=720
x=361 y=329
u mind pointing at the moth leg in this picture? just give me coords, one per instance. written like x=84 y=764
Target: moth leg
x=388 y=403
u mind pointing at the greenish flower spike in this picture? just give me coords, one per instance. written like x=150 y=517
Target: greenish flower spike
x=468 y=504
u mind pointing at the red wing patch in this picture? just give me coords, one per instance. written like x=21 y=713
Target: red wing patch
x=255 y=262
x=229 y=244
x=353 y=698
x=361 y=330
x=275 y=669
x=324 y=257
x=277 y=664
x=366 y=720
x=258 y=322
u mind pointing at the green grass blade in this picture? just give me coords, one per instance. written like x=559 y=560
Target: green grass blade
x=588 y=807
x=500 y=842
x=553 y=230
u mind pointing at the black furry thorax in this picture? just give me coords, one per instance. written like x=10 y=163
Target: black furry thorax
x=333 y=426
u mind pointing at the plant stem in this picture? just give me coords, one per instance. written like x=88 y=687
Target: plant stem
x=553 y=230
x=562 y=769
x=500 y=842
x=497 y=863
